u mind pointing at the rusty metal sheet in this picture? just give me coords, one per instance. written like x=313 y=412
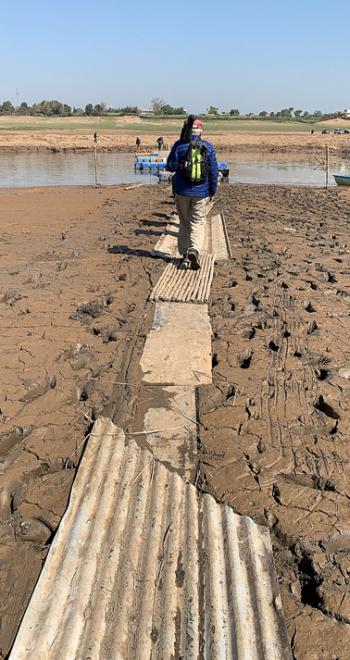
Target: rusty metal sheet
x=176 y=285
x=145 y=566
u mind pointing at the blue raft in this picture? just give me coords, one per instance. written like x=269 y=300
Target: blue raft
x=150 y=162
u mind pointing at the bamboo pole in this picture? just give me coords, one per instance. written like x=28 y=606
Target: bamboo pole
x=95 y=155
x=327 y=167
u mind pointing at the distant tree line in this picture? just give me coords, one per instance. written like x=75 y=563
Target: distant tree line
x=52 y=109
x=161 y=107
x=48 y=108
x=58 y=109
x=55 y=108
x=281 y=115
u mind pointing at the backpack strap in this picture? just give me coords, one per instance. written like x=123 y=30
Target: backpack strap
x=195 y=163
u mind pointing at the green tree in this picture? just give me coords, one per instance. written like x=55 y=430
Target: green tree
x=48 y=108
x=126 y=110
x=157 y=105
x=298 y=113
x=24 y=109
x=234 y=112
x=7 y=108
x=99 y=109
x=55 y=108
x=263 y=114
x=213 y=110
x=41 y=108
x=285 y=112
x=170 y=110
x=89 y=109
x=317 y=114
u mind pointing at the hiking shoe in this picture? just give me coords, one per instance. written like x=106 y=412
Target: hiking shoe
x=193 y=257
x=185 y=263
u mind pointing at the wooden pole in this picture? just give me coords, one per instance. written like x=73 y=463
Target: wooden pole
x=95 y=153
x=327 y=166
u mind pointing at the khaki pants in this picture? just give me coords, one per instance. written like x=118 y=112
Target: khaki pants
x=192 y=212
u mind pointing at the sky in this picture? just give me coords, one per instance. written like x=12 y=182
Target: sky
x=252 y=55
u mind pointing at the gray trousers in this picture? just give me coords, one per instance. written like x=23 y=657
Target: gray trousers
x=192 y=212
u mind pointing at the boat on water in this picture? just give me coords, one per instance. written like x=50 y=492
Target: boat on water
x=156 y=162
x=224 y=169
x=149 y=162
x=342 y=180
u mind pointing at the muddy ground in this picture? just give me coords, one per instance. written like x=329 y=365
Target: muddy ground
x=76 y=271
x=278 y=448
x=75 y=275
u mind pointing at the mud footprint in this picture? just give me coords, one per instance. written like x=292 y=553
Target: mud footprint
x=248 y=332
x=273 y=345
x=312 y=327
x=244 y=359
x=322 y=406
x=330 y=277
x=312 y=285
x=308 y=306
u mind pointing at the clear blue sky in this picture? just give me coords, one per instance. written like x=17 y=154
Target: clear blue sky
x=251 y=54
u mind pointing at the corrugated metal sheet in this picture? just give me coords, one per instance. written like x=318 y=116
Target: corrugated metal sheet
x=177 y=350
x=143 y=566
x=176 y=285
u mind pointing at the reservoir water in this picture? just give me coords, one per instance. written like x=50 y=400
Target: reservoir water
x=25 y=169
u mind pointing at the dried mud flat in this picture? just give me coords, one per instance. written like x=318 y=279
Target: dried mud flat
x=75 y=279
x=275 y=426
x=76 y=272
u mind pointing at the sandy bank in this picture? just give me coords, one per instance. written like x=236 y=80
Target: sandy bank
x=297 y=143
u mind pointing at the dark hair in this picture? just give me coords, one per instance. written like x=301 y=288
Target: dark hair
x=186 y=132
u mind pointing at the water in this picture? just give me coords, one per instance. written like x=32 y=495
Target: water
x=283 y=170
x=67 y=169
x=60 y=169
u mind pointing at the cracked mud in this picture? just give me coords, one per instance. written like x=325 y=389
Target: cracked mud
x=76 y=272
x=74 y=284
x=279 y=449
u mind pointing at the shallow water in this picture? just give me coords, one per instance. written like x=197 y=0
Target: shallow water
x=283 y=170
x=60 y=169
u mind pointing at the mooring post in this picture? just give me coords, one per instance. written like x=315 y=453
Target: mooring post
x=95 y=155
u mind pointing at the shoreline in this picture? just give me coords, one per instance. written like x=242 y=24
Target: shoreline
x=274 y=143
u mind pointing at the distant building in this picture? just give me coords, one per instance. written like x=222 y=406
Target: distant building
x=347 y=114
x=146 y=111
